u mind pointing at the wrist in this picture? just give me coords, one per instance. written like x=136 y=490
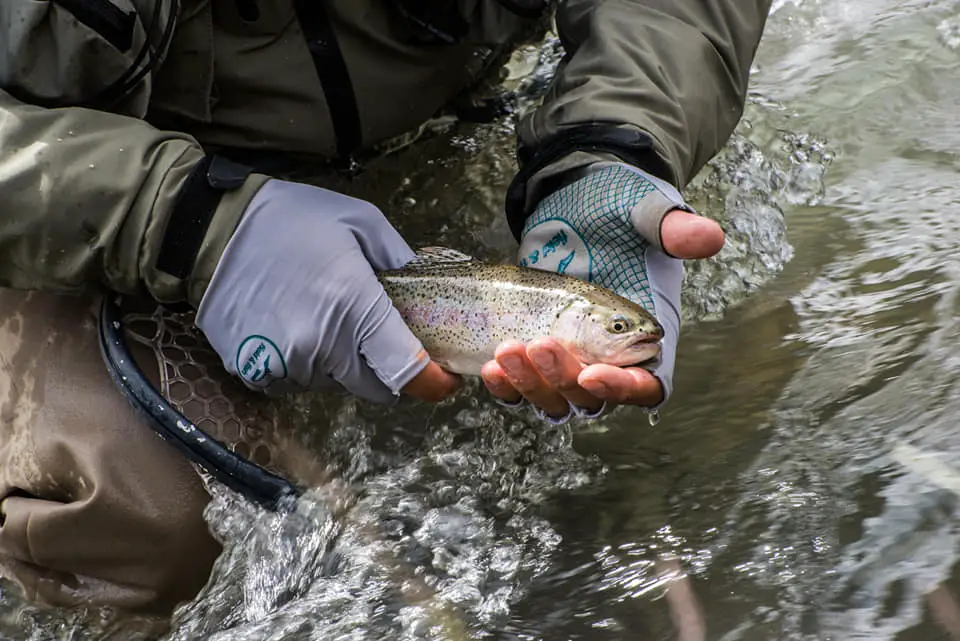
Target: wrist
x=233 y=205
x=562 y=173
x=584 y=144
x=210 y=201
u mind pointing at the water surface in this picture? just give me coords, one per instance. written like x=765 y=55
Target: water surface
x=802 y=483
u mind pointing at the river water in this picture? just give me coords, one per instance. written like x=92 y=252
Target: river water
x=803 y=482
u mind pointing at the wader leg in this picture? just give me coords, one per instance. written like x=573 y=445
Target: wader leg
x=94 y=508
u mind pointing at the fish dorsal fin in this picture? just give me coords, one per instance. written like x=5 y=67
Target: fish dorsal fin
x=433 y=256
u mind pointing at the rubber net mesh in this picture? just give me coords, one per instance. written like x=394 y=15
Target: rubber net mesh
x=193 y=381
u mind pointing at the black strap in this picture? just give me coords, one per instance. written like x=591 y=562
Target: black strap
x=630 y=145
x=193 y=211
x=112 y=23
x=333 y=74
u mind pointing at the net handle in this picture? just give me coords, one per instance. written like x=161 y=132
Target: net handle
x=239 y=474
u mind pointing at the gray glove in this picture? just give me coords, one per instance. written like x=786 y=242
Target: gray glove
x=295 y=302
x=605 y=228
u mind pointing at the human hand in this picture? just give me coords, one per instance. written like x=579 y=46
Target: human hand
x=295 y=303
x=624 y=230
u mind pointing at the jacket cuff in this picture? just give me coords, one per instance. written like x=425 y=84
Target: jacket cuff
x=211 y=196
x=567 y=155
x=233 y=205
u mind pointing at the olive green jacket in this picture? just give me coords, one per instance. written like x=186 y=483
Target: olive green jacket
x=90 y=174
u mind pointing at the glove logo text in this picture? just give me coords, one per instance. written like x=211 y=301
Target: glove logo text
x=554 y=245
x=259 y=361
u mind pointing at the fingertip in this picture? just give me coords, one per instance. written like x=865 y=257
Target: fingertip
x=687 y=235
x=491 y=370
x=713 y=237
x=649 y=387
x=509 y=348
x=631 y=385
x=543 y=343
x=497 y=383
x=550 y=351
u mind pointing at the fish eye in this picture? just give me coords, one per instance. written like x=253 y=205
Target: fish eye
x=618 y=325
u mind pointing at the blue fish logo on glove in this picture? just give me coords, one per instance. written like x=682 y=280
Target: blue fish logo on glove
x=253 y=361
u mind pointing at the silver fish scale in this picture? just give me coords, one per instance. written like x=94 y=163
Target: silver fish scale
x=462 y=310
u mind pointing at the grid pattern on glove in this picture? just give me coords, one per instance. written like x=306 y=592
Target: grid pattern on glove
x=598 y=208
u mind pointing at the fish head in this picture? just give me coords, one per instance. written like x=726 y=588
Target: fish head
x=620 y=334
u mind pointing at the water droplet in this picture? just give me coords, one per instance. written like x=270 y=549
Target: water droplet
x=653 y=417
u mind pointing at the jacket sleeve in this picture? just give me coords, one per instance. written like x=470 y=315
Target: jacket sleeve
x=658 y=83
x=86 y=194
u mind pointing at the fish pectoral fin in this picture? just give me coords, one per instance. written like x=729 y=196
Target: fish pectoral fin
x=427 y=256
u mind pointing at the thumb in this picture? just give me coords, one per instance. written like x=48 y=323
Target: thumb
x=399 y=360
x=680 y=232
x=686 y=235
x=432 y=384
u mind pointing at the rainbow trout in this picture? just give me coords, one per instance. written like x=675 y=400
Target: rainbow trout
x=461 y=309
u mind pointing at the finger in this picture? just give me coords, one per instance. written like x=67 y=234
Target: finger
x=356 y=376
x=686 y=235
x=561 y=369
x=512 y=358
x=626 y=386
x=393 y=356
x=382 y=245
x=497 y=383
x=432 y=384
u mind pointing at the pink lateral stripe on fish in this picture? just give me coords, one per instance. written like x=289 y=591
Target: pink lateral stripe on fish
x=462 y=309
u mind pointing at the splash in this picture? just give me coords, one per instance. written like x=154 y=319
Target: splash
x=761 y=172
x=26 y=622
x=438 y=543
x=949 y=32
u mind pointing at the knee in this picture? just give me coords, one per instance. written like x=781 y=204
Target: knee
x=141 y=549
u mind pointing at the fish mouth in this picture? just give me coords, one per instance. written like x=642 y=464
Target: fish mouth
x=644 y=349
x=647 y=339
